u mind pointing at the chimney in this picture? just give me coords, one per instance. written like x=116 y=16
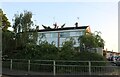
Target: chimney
x=55 y=25
x=76 y=24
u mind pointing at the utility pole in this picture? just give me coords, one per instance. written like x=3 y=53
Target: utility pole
x=1 y=13
x=58 y=39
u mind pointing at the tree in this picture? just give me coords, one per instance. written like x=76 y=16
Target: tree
x=23 y=29
x=67 y=50
x=90 y=40
x=7 y=36
x=8 y=43
x=4 y=23
x=44 y=51
x=99 y=40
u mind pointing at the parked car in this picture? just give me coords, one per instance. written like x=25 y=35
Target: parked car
x=114 y=60
x=118 y=61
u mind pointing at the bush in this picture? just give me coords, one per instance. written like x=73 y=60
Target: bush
x=89 y=56
x=83 y=64
x=67 y=51
x=44 y=51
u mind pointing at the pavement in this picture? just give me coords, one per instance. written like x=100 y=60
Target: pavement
x=15 y=73
x=19 y=72
x=5 y=76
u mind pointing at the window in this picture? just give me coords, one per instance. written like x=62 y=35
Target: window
x=64 y=34
x=47 y=35
x=76 y=33
x=54 y=35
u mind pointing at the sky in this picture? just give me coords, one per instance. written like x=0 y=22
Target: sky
x=100 y=16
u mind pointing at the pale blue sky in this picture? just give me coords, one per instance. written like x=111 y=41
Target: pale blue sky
x=101 y=16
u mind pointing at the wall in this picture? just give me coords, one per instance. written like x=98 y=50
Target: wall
x=99 y=50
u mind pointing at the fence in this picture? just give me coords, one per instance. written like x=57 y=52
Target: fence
x=60 y=67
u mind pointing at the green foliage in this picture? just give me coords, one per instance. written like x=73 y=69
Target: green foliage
x=46 y=51
x=90 y=40
x=67 y=50
x=1 y=13
x=49 y=51
x=23 y=29
x=4 y=21
x=88 y=56
x=8 y=43
x=42 y=51
x=99 y=40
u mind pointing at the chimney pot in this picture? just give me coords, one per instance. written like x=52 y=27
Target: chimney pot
x=76 y=24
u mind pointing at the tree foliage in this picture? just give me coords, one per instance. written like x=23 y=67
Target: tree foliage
x=4 y=21
x=67 y=50
x=7 y=36
x=23 y=29
x=22 y=35
x=8 y=43
x=99 y=39
x=90 y=40
x=43 y=51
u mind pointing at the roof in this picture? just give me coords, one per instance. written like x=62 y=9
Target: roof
x=111 y=52
x=65 y=28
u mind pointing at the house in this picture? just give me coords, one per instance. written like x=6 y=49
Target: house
x=109 y=54
x=58 y=36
